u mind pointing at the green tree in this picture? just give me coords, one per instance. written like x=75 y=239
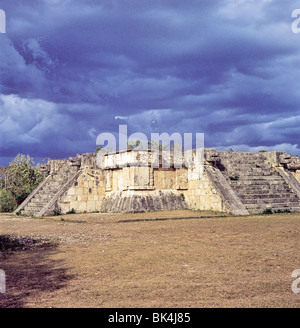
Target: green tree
x=7 y=201
x=22 y=177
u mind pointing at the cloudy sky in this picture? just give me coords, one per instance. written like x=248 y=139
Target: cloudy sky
x=72 y=69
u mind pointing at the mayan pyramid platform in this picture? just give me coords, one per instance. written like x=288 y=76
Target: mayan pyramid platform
x=231 y=182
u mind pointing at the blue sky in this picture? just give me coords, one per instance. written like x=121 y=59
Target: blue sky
x=70 y=70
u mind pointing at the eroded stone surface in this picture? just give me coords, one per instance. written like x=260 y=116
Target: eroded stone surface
x=232 y=182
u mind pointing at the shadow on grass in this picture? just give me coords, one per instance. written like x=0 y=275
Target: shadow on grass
x=30 y=272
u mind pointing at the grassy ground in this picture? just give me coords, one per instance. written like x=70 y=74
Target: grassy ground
x=122 y=260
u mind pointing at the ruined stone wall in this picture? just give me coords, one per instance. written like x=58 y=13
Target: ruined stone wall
x=86 y=194
x=146 y=183
x=232 y=182
x=142 y=188
x=297 y=175
x=202 y=195
x=164 y=178
x=128 y=178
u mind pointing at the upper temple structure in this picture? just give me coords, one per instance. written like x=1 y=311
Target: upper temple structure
x=228 y=182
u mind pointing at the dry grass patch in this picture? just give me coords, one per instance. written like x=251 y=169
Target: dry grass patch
x=98 y=260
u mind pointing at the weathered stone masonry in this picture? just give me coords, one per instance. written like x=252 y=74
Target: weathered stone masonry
x=231 y=182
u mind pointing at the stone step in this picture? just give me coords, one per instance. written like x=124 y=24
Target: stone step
x=251 y=167
x=260 y=191
x=29 y=213
x=251 y=178
x=257 y=186
x=246 y=163
x=60 y=180
x=56 y=181
x=256 y=182
x=243 y=156
x=35 y=206
x=278 y=210
x=265 y=191
x=254 y=175
x=43 y=197
x=62 y=176
x=48 y=189
x=270 y=201
x=51 y=187
x=267 y=188
x=37 y=201
x=268 y=196
x=252 y=207
x=242 y=174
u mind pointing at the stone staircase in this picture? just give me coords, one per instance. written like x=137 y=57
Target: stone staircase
x=259 y=186
x=45 y=193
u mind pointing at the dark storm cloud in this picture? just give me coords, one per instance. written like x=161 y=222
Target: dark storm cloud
x=229 y=69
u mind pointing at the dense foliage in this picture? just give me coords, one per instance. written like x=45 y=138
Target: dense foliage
x=17 y=181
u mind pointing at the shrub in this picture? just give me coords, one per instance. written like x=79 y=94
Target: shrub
x=22 y=177
x=17 y=181
x=57 y=211
x=8 y=202
x=267 y=211
x=283 y=211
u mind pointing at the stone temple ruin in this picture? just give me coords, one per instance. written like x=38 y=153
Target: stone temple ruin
x=232 y=182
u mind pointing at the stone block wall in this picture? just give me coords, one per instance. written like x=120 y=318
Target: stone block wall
x=86 y=194
x=238 y=183
x=128 y=178
x=164 y=178
x=188 y=184
x=201 y=194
